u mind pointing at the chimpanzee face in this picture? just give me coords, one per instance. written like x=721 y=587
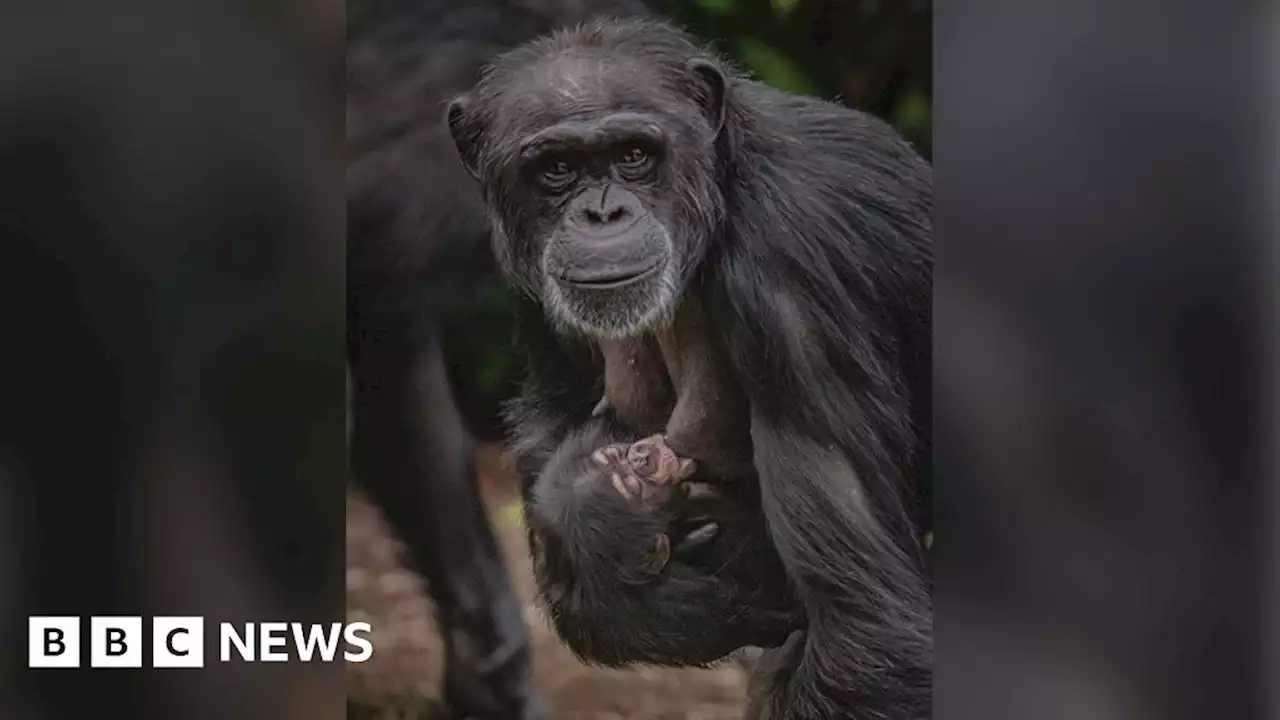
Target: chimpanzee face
x=600 y=175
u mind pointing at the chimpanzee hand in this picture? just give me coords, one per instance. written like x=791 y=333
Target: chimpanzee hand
x=650 y=475
x=647 y=472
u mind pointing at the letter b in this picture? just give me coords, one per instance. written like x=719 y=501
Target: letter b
x=53 y=642
x=115 y=642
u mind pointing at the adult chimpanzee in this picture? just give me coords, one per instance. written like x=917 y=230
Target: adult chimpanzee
x=627 y=171
x=418 y=251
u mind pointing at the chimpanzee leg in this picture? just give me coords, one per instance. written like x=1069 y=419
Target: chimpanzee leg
x=412 y=452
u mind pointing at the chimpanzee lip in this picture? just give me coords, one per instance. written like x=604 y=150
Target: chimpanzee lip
x=615 y=280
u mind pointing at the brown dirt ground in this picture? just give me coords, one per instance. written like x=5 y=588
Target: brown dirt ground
x=403 y=675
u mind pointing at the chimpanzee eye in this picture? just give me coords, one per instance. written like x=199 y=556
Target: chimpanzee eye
x=633 y=160
x=556 y=173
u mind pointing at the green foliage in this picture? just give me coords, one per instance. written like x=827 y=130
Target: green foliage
x=770 y=65
x=782 y=7
x=481 y=355
x=914 y=119
x=492 y=318
x=773 y=40
x=716 y=7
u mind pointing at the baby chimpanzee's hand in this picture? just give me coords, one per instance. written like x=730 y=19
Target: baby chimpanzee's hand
x=646 y=472
x=650 y=474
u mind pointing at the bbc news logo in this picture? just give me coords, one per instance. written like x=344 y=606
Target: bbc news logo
x=178 y=642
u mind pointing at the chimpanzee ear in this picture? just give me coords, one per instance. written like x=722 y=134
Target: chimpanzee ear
x=466 y=133
x=711 y=77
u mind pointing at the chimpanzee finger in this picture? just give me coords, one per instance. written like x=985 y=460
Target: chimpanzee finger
x=697 y=538
x=609 y=455
x=658 y=555
x=601 y=407
x=627 y=485
x=699 y=491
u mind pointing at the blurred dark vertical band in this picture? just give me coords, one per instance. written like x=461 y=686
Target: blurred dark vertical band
x=1101 y=360
x=1271 y=660
x=172 y=399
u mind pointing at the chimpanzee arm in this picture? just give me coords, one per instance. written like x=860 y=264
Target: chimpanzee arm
x=868 y=646
x=834 y=451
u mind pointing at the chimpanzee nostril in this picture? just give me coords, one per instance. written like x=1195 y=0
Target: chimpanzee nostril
x=606 y=216
x=605 y=211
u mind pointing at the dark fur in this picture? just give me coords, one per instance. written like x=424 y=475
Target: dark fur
x=589 y=549
x=805 y=228
x=417 y=252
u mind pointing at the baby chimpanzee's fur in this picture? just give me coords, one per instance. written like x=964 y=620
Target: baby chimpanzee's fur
x=626 y=170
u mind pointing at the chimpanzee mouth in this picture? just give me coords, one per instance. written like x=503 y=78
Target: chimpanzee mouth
x=613 y=279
